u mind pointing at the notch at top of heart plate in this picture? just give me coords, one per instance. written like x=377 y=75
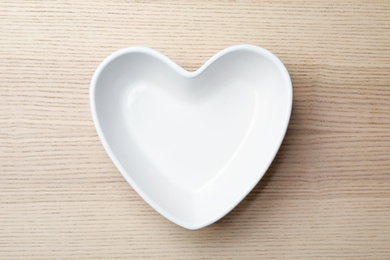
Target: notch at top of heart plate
x=192 y=144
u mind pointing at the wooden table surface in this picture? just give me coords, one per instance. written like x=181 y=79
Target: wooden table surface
x=326 y=195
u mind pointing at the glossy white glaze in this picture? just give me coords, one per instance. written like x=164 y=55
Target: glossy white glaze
x=192 y=144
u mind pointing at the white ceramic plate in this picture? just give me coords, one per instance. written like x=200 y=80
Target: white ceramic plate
x=192 y=144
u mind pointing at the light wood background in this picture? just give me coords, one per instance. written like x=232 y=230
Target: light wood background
x=326 y=195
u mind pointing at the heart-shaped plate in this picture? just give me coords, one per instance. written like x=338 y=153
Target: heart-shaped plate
x=192 y=144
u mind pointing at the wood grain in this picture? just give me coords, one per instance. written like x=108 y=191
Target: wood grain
x=326 y=195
